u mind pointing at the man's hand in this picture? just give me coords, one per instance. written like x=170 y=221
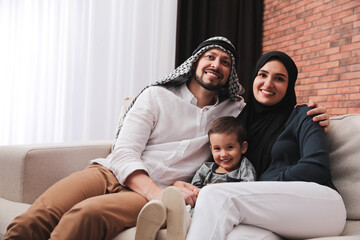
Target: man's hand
x=320 y=113
x=188 y=192
x=141 y=183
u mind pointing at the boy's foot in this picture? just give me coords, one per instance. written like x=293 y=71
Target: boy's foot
x=177 y=217
x=151 y=217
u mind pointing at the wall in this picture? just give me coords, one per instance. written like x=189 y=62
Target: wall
x=323 y=37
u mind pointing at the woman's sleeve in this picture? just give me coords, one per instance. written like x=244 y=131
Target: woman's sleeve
x=314 y=163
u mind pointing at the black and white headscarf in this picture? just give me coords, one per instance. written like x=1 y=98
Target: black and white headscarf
x=182 y=74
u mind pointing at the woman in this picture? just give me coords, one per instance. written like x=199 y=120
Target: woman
x=294 y=197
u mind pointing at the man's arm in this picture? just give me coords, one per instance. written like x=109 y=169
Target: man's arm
x=320 y=115
x=141 y=183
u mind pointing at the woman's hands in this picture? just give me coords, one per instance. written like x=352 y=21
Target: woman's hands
x=321 y=115
x=189 y=192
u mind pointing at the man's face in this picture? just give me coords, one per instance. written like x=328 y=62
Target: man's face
x=213 y=69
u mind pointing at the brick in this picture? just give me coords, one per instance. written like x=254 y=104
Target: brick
x=330 y=51
x=310 y=68
x=356 y=23
x=350 y=47
x=348 y=90
x=340 y=15
x=329 y=64
x=311 y=43
x=338 y=70
x=337 y=98
x=321 y=34
x=332 y=10
x=302 y=100
x=355 y=38
x=302 y=87
x=350 y=104
x=304 y=14
x=313 y=4
x=351 y=18
x=349 y=75
x=318 y=73
x=321 y=8
x=309 y=92
x=349 y=61
x=330 y=37
x=354 y=96
x=342 y=28
x=337 y=111
x=338 y=84
x=340 y=42
x=340 y=56
x=349 y=4
x=329 y=78
x=320 y=85
x=310 y=80
x=326 y=92
x=355 y=82
x=355 y=67
x=318 y=98
x=302 y=75
x=329 y=104
x=353 y=110
x=303 y=27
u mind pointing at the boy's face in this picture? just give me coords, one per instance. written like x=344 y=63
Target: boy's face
x=226 y=151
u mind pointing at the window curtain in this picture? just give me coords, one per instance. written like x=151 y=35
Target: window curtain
x=238 y=20
x=66 y=65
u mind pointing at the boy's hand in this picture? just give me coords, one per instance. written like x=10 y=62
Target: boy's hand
x=320 y=113
x=187 y=190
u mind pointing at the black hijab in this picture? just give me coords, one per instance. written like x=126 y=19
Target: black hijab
x=265 y=123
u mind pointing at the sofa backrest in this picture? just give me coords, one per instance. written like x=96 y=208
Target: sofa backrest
x=344 y=146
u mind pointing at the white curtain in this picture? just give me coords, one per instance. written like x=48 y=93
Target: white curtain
x=66 y=65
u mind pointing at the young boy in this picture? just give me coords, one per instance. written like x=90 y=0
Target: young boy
x=228 y=143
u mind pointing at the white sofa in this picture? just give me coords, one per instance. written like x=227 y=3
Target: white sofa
x=26 y=171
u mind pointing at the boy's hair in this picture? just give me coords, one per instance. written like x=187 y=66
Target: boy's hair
x=228 y=125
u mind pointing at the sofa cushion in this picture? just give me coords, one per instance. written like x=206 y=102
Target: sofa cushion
x=344 y=138
x=8 y=211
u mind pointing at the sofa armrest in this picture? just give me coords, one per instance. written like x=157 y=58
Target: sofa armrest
x=28 y=170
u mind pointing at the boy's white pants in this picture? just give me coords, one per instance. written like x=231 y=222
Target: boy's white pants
x=264 y=210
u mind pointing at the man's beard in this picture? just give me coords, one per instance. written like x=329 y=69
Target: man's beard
x=208 y=86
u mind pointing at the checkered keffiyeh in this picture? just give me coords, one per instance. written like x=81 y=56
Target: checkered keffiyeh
x=232 y=89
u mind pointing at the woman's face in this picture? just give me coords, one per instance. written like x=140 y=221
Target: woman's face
x=270 y=83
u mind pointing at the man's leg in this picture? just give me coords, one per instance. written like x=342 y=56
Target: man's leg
x=45 y=213
x=101 y=217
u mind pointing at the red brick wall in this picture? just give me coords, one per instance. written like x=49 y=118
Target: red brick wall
x=323 y=37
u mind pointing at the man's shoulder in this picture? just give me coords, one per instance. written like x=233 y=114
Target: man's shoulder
x=158 y=91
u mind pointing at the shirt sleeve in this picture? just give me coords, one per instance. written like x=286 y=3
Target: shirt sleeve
x=135 y=132
x=313 y=164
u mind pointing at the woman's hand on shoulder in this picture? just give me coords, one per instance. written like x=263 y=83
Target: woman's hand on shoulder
x=188 y=192
x=320 y=114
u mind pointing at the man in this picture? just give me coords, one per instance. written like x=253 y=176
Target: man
x=163 y=139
